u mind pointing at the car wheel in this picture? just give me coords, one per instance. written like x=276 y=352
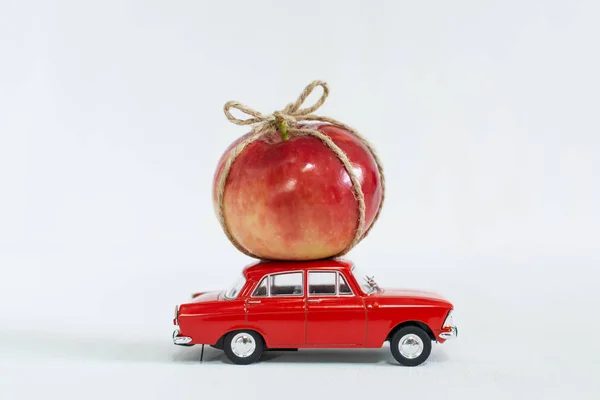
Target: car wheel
x=243 y=347
x=410 y=346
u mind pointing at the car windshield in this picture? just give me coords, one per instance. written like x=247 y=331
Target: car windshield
x=233 y=291
x=366 y=282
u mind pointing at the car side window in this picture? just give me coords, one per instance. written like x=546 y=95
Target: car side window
x=322 y=283
x=261 y=289
x=343 y=287
x=286 y=284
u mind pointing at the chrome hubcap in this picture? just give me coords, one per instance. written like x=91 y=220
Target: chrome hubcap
x=410 y=346
x=243 y=345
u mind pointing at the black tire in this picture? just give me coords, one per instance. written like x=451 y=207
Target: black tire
x=252 y=339
x=420 y=340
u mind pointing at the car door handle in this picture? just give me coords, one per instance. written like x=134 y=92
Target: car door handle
x=314 y=300
x=253 y=301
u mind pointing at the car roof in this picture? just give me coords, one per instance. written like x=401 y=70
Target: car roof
x=260 y=268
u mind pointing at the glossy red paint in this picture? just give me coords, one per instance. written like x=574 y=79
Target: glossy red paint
x=293 y=199
x=336 y=322
x=293 y=316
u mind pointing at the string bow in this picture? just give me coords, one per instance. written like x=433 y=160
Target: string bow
x=283 y=119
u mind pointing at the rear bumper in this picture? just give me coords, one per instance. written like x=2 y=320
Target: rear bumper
x=181 y=340
x=451 y=334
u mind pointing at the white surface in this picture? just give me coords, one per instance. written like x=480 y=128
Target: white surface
x=111 y=123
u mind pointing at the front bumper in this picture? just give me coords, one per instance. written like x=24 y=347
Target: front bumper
x=181 y=340
x=451 y=334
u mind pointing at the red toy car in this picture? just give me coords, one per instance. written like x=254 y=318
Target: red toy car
x=313 y=304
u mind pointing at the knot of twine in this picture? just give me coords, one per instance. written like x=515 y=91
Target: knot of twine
x=279 y=120
x=286 y=122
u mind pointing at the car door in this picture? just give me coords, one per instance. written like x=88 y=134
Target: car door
x=335 y=315
x=277 y=308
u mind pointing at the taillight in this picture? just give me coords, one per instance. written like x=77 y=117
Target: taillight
x=175 y=320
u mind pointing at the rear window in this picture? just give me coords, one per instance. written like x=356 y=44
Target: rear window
x=235 y=289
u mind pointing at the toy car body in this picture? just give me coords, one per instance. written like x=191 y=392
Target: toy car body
x=313 y=304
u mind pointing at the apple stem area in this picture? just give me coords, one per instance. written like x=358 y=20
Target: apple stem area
x=282 y=127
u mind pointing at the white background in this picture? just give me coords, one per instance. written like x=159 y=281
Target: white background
x=485 y=114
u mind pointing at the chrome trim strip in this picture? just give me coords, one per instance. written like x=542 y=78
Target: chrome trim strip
x=406 y=305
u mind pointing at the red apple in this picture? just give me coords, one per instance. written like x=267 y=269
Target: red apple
x=293 y=199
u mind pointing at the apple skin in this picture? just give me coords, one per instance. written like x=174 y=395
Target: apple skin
x=293 y=199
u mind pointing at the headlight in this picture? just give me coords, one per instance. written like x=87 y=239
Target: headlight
x=449 y=322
